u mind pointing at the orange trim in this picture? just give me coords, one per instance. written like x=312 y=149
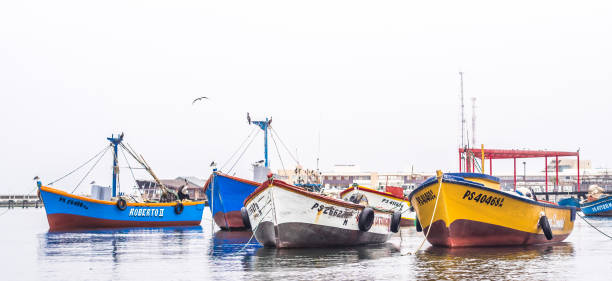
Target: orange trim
x=63 y=193
x=375 y=192
x=286 y=186
x=230 y=177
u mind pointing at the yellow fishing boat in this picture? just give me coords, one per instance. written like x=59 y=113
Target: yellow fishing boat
x=469 y=209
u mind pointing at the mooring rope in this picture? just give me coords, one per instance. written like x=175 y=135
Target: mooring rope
x=254 y=230
x=432 y=217
x=594 y=226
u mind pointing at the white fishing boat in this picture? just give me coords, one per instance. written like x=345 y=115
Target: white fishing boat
x=381 y=200
x=286 y=216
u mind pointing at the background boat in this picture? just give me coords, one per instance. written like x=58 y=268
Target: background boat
x=66 y=211
x=383 y=200
x=471 y=210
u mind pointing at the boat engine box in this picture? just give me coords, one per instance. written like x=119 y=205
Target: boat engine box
x=101 y=192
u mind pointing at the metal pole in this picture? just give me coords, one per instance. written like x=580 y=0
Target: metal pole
x=490 y=165
x=462 y=115
x=525 y=173
x=114 y=169
x=459 y=161
x=557 y=170
x=546 y=174
x=514 y=174
x=578 y=160
x=266 y=142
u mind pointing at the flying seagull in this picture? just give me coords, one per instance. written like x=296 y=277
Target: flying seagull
x=200 y=98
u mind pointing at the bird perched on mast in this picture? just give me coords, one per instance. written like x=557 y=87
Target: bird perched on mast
x=198 y=99
x=249 y=118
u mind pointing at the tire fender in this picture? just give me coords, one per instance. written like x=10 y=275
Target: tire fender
x=417 y=225
x=543 y=223
x=178 y=208
x=121 y=204
x=396 y=219
x=245 y=217
x=366 y=219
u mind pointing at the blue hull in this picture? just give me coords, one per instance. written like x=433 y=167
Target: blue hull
x=600 y=207
x=68 y=211
x=229 y=194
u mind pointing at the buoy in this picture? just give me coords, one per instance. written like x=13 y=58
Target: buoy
x=396 y=218
x=245 y=217
x=178 y=208
x=366 y=219
x=545 y=227
x=417 y=224
x=121 y=204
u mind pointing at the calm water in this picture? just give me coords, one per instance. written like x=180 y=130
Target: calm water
x=29 y=252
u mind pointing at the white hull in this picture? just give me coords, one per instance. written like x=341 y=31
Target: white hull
x=385 y=202
x=284 y=216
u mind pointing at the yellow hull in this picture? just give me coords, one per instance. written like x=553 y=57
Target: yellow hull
x=470 y=213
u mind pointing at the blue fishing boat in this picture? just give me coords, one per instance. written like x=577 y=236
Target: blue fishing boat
x=226 y=202
x=571 y=201
x=600 y=207
x=67 y=211
x=226 y=193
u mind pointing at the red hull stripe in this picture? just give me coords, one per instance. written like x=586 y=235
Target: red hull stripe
x=70 y=221
x=373 y=191
x=299 y=190
x=468 y=233
x=229 y=220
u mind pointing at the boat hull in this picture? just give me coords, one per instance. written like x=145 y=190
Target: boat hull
x=66 y=211
x=601 y=207
x=470 y=214
x=384 y=200
x=228 y=198
x=285 y=216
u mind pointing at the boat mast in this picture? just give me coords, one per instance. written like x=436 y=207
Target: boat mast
x=115 y=141
x=264 y=126
x=462 y=107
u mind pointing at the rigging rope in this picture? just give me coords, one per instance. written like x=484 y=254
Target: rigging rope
x=94 y=165
x=278 y=153
x=131 y=172
x=244 y=151
x=433 y=214
x=594 y=226
x=79 y=167
x=283 y=143
x=239 y=147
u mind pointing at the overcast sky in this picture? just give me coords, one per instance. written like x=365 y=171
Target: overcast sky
x=378 y=80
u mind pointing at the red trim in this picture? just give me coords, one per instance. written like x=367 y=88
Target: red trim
x=282 y=184
x=468 y=233
x=373 y=191
x=71 y=222
x=515 y=153
x=230 y=177
x=229 y=220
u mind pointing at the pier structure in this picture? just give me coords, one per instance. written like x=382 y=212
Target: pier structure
x=470 y=155
x=20 y=201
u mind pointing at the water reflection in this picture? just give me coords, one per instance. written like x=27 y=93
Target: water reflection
x=495 y=262
x=114 y=242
